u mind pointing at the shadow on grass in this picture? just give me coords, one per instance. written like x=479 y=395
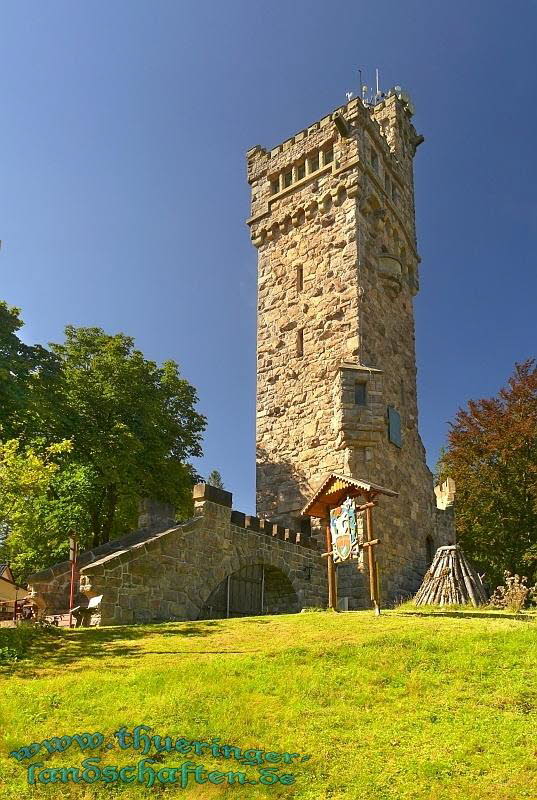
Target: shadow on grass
x=200 y=652
x=471 y=614
x=71 y=646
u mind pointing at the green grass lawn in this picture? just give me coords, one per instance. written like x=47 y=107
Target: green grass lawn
x=407 y=706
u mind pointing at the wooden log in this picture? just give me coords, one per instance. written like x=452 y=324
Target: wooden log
x=373 y=567
x=477 y=583
x=332 y=587
x=365 y=506
x=450 y=580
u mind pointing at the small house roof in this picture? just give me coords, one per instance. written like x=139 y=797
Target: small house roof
x=5 y=571
x=9 y=590
x=336 y=487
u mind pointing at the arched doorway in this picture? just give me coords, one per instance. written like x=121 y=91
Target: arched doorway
x=251 y=591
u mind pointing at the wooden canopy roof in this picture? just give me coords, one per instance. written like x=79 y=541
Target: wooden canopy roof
x=335 y=488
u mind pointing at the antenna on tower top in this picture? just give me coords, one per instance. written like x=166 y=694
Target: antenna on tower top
x=363 y=89
x=379 y=94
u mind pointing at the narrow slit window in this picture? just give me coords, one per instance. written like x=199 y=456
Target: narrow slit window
x=300 y=342
x=299 y=278
x=374 y=161
x=395 y=194
x=360 y=393
x=300 y=172
x=429 y=549
x=287 y=179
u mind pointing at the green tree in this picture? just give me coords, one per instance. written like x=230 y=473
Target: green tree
x=132 y=424
x=439 y=467
x=27 y=374
x=215 y=479
x=492 y=457
x=33 y=518
x=94 y=427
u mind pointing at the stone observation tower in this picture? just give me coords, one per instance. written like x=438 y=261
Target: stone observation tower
x=332 y=218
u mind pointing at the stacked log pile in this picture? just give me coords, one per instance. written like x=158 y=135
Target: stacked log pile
x=451 y=580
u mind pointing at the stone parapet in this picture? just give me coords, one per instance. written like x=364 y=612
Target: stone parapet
x=205 y=496
x=169 y=574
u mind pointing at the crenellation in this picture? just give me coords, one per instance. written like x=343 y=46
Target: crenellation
x=286 y=157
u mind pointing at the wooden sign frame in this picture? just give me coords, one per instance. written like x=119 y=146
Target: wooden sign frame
x=332 y=492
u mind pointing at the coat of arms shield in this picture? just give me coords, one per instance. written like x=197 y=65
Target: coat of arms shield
x=343 y=530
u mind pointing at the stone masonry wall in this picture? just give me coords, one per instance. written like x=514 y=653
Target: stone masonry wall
x=333 y=221
x=170 y=574
x=49 y=589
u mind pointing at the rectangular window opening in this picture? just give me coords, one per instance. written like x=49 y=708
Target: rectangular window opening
x=300 y=172
x=287 y=179
x=374 y=161
x=328 y=156
x=274 y=186
x=360 y=393
x=314 y=163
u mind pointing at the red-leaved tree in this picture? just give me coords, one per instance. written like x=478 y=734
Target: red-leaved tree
x=492 y=456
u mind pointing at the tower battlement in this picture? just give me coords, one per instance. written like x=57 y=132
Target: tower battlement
x=381 y=138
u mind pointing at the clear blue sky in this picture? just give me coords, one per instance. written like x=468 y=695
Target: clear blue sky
x=123 y=133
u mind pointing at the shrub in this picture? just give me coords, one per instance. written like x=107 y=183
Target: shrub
x=16 y=643
x=7 y=655
x=515 y=594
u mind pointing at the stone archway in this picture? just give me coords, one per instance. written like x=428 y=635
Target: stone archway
x=252 y=590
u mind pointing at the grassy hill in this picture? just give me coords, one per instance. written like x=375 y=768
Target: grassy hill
x=403 y=707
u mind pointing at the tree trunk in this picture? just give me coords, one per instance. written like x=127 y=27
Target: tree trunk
x=111 y=505
x=95 y=528
x=96 y=524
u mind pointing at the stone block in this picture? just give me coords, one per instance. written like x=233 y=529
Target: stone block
x=238 y=519
x=253 y=523
x=204 y=491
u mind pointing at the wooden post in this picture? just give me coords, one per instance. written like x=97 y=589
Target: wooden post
x=332 y=591
x=73 y=555
x=373 y=571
